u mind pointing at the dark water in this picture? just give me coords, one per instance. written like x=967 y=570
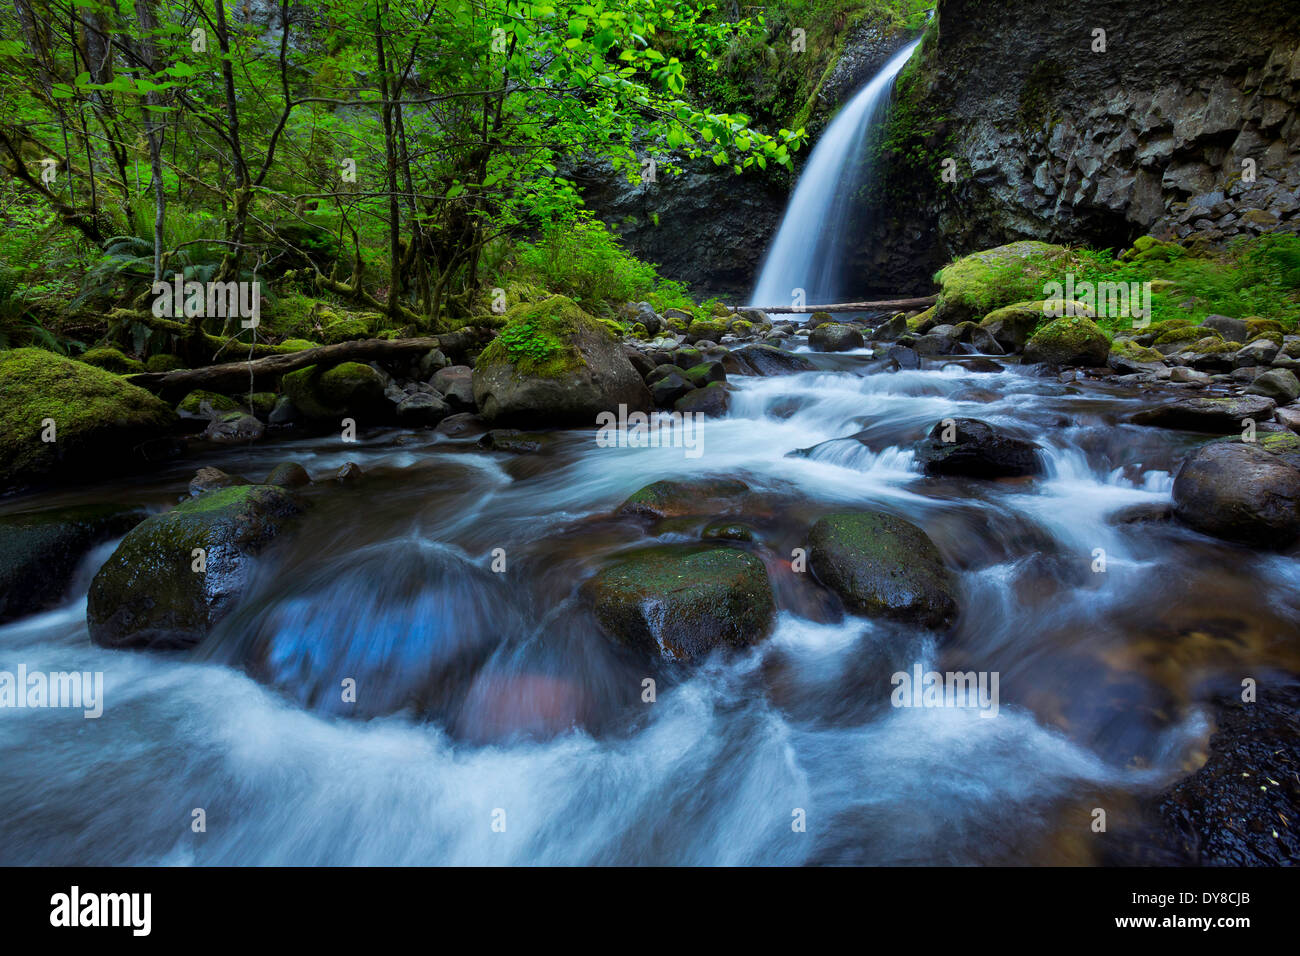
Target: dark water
x=480 y=691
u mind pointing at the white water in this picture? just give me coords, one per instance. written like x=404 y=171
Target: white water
x=807 y=253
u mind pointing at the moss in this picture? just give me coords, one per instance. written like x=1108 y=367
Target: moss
x=742 y=327
x=163 y=363
x=112 y=360
x=1127 y=349
x=1187 y=333
x=707 y=329
x=259 y=403
x=1210 y=345
x=350 y=386
x=94 y=412
x=1070 y=341
x=980 y=283
x=1151 y=249
x=344 y=330
x=537 y=338
x=297 y=345
x=192 y=403
x=1257 y=327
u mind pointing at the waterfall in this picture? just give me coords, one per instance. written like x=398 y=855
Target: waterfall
x=809 y=246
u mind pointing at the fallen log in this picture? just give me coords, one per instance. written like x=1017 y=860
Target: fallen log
x=920 y=302
x=236 y=377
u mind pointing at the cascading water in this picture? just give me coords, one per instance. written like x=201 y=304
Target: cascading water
x=809 y=247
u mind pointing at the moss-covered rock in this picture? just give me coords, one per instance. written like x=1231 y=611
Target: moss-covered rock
x=1255 y=327
x=149 y=593
x=297 y=345
x=835 y=337
x=683 y=601
x=40 y=551
x=346 y=329
x=1129 y=351
x=881 y=565
x=98 y=421
x=201 y=403
x=672 y=498
x=349 y=388
x=1073 y=341
x=260 y=404
x=706 y=330
x=1013 y=325
x=1185 y=333
x=111 y=360
x=1151 y=249
x=553 y=364
x=980 y=283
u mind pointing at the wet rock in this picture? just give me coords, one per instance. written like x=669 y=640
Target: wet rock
x=642 y=362
x=769 y=360
x=349 y=473
x=934 y=344
x=674 y=498
x=148 y=593
x=1187 y=376
x=835 y=337
x=706 y=373
x=728 y=531
x=209 y=479
x=983 y=342
x=1142 y=514
x=234 y=428
x=97 y=422
x=285 y=412
x=684 y=601
x=975 y=449
x=668 y=387
x=1072 y=341
x=1217 y=415
x=422 y=408
x=714 y=401
x=1239 y=492
x=890 y=329
x=514 y=441
x=1280 y=384
x=348 y=389
x=1289 y=416
x=288 y=474
x=881 y=565
x=583 y=373
x=456 y=386
x=902 y=358
x=461 y=425
x=40 y=551
x=203 y=405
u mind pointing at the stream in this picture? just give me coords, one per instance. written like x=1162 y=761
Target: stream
x=482 y=691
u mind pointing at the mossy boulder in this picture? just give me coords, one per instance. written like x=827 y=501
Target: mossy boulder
x=163 y=363
x=674 y=498
x=1128 y=351
x=881 y=565
x=980 y=283
x=297 y=345
x=349 y=389
x=1151 y=249
x=347 y=329
x=201 y=403
x=112 y=360
x=40 y=551
x=553 y=364
x=1271 y=327
x=683 y=602
x=1072 y=341
x=835 y=337
x=149 y=593
x=706 y=330
x=98 y=421
x=1185 y=333
x=1013 y=325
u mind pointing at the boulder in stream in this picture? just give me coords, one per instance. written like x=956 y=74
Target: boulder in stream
x=683 y=601
x=176 y=574
x=881 y=565
x=1221 y=415
x=769 y=360
x=1239 y=492
x=835 y=337
x=1069 y=341
x=975 y=449
x=672 y=498
x=553 y=364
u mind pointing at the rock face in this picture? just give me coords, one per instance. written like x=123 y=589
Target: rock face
x=976 y=449
x=881 y=565
x=1240 y=493
x=1055 y=141
x=553 y=364
x=148 y=593
x=39 y=551
x=684 y=602
x=92 y=416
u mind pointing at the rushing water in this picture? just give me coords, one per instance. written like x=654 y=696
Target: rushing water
x=480 y=691
x=809 y=247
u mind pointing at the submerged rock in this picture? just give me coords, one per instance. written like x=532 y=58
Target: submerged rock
x=976 y=450
x=553 y=364
x=40 y=550
x=1239 y=492
x=881 y=565
x=149 y=593
x=94 y=421
x=699 y=496
x=684 y=601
